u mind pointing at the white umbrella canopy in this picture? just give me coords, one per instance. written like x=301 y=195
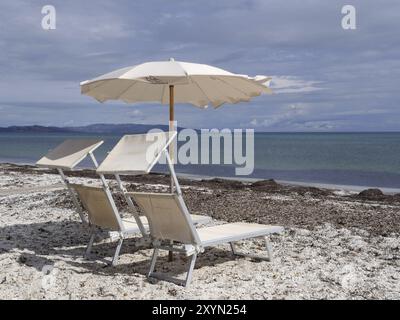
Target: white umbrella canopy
x=196 y=84
x=175 y=82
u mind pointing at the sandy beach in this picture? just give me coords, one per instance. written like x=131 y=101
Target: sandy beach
x=336 y=245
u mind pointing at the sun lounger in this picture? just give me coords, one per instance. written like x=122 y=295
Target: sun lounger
x=98 y=201
x=103 y=215
x=66 y=156
x=172 y=229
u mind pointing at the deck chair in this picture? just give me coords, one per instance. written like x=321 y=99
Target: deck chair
x=104 y=216
x=98 y=201
x=66 y=156
x=172 y=229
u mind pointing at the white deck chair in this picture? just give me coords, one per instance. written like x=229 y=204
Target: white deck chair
x=169 y=220
x=103 y=215
x=98 y=201
x=66 y=156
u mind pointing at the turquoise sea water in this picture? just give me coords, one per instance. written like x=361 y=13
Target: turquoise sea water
x=364 y=159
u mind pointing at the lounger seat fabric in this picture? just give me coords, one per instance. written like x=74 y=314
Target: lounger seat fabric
x=131 y=225
x=234 y=232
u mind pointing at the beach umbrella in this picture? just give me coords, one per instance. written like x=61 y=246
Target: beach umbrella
x=170 y=82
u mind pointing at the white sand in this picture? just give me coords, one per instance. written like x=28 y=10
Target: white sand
x=37 y=234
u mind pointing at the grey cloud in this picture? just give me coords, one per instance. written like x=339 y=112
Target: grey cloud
x=341 y=79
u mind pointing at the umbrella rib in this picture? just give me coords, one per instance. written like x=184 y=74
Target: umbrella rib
x=257 y=84
x=194 y=81
x=127 y=89
x=247 y=97
x=234 y=87
x=183 y=69
x=163 y=93
x=97 y=85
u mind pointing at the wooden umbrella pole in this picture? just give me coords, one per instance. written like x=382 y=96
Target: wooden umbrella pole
x=171 y=128
x=171 y=146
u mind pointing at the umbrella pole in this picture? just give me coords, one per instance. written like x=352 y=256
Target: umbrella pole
x=171 y=146
x=171 y=128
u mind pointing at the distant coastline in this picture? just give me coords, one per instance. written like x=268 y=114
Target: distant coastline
x=93 y=128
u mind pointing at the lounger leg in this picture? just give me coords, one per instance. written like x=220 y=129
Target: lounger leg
x=177 y=281
x=170 y=253
x=153 y=262
x=233 y=248
x=116 y=254
x=90 y=244
x=268 y=247
x=254 y=256
x=190 y=271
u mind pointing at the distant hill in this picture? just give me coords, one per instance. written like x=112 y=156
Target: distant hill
x=33 y=129
x=93 y=128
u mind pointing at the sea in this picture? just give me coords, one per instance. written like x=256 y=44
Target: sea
x=341 y=159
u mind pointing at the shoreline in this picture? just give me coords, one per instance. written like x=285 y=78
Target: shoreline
x=320 y=185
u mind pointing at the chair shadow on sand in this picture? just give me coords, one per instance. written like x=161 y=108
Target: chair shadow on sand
x=42 y=243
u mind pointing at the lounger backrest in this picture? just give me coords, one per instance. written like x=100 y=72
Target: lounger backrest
x=69 y=153
x=136 y=153
x=95 y=201
x=168 y=217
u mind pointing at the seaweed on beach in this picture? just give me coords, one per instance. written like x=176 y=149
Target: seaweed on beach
x=263 y=201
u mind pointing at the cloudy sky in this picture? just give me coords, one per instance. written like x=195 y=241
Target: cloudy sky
x=325 y=78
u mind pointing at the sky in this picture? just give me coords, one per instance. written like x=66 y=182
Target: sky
x=325 y=78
